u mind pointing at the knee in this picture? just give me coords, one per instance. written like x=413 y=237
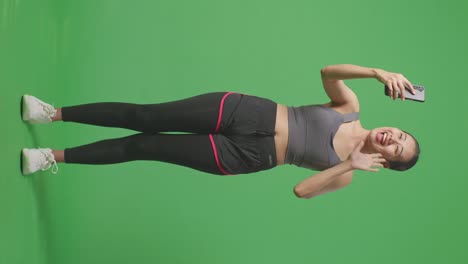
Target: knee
x=142 y=115
x=134 y=147
x=140 y=112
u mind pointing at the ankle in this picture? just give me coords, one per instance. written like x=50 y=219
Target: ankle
x=59 y=155
x=58 y=115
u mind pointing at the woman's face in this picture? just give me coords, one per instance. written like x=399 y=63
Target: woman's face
x=392 y=143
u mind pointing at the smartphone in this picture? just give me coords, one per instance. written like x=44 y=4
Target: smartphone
x=418 y=97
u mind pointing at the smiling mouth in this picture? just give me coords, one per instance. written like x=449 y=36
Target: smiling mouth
x=382 y=138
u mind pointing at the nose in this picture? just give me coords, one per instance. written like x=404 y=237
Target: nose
x=391 y=140
x=397 y=140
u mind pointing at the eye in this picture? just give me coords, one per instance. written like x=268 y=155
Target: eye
x=396 y=150
x=401 y=135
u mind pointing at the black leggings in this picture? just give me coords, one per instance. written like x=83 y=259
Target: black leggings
x=234 y=133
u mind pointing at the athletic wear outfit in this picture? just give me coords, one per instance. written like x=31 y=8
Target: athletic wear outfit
x=234 y=133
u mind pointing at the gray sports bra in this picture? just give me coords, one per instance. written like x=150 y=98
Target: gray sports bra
x=311 y=132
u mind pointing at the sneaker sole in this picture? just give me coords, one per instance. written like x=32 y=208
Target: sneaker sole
x=21 y=162
x=22 y=106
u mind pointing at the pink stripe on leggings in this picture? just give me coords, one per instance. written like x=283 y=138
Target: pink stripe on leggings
x=216 y=155
x=220 y=112
x=220 y=115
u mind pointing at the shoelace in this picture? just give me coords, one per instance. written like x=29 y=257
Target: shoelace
x=49 y=162
x=50 y=110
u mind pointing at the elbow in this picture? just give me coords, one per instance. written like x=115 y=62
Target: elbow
x=297 y=192
x=301 y=194
x=324 y=71
x=327 y=73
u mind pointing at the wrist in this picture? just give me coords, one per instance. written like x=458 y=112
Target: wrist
x=348 y=165
x=375 y=72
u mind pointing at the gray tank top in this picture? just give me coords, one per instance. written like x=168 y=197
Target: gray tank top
x=311 y=132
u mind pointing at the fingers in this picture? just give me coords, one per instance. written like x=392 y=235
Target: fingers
x=374 y=169
x=410 y=86
x=397 y=84
x=395 y=91
x=402 y=89
x=380 y=160
x=399 y=89
x=390 y=90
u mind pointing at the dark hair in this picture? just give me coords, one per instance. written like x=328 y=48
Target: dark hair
x=405 y=165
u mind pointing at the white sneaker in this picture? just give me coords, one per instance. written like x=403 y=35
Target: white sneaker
x=36 y=111
x=33 y=160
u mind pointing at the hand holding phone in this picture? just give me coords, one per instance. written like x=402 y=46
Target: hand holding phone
x=419 y=96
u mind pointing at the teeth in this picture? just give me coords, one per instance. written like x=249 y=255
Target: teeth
x=383 y=139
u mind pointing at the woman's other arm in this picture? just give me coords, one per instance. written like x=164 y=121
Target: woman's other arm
x=339 y=175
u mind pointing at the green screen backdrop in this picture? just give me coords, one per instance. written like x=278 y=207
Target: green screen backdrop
x=73 y=52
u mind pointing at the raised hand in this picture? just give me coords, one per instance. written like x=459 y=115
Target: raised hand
x=362 y=161
x=395 y=82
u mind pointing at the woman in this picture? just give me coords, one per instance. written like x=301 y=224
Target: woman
x=237 y=133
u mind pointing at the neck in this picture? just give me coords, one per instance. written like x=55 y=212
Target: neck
x=362 y=134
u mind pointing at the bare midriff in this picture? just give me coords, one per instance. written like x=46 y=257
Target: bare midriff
x=281 y=133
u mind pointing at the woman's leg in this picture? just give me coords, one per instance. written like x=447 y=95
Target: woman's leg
x=190 y=150
x=248 y=145
x=200 y=114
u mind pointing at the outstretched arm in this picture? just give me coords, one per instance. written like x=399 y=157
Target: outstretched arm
x=348 y=71
x=341 y=95
x=339 y=175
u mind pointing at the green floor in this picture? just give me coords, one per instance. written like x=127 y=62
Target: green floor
x=71 y=52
